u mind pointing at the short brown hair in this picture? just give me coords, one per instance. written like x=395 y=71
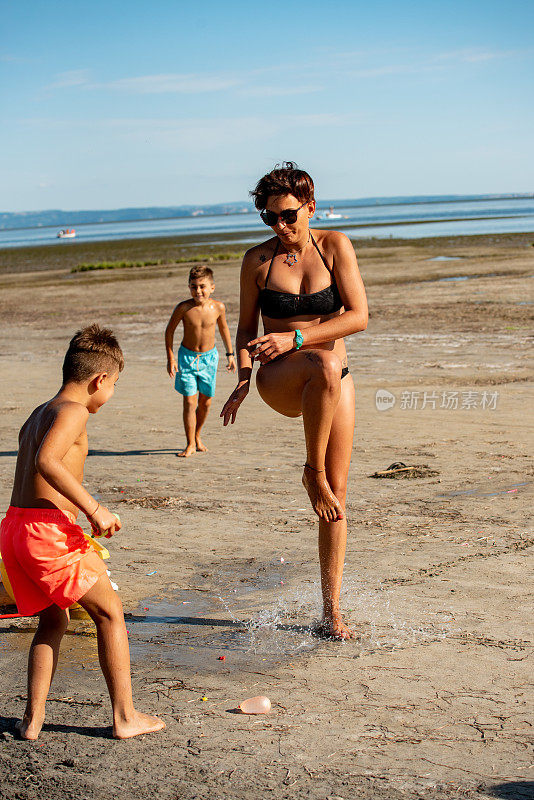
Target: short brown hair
x=92 y=350
x=200 y=271
x=285 y=178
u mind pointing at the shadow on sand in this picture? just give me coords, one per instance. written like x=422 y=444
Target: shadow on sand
x=7 y=725
x=515 y=790
x=150 y=452
x=155 y=451
x=206 y=621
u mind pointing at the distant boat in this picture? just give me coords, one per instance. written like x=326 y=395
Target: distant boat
x=66 y=233
x=330 y=214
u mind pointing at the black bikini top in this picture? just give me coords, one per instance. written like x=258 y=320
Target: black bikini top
x=280 y=305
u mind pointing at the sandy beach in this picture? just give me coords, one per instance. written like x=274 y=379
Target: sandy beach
x=218 y=553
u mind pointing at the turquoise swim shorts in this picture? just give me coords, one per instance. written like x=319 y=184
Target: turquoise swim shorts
x=197 y=372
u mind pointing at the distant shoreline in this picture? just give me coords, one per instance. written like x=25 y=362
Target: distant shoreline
x=72 y=217
x=66 y=255
x=340 y=225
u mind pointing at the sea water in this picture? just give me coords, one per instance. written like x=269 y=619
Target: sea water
x=380 y=217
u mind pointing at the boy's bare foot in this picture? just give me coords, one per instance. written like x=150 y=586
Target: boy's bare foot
x=323 y=500
x=27 y=729
x=187 y=451
x=333 y=627
x=136 y=725
x=201 y=447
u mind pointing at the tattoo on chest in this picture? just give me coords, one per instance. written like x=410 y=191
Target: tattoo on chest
x=263 y=258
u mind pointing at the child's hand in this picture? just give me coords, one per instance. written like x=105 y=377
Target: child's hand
x=172 y=367
x=230 y=364
x=104 y=523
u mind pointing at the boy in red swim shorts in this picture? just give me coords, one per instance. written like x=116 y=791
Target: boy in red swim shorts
x=49 y=563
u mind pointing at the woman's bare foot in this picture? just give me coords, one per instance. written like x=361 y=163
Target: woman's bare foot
x=201 y=447
x=333 y=627
x=187 y=451
x=28 y=729
x=323 y=500
x=136 y=725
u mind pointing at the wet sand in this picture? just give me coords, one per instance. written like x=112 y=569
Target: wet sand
x=433 y=700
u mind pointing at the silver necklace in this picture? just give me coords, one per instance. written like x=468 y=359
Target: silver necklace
x=292 y=258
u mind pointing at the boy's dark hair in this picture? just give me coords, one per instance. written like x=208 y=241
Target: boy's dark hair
x=285 y=178
x=92 y=350
x=200 y=271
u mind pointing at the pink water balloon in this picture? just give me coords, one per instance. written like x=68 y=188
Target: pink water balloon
x=255 y=705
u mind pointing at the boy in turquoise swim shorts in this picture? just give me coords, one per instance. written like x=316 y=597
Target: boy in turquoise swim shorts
x=195 y=372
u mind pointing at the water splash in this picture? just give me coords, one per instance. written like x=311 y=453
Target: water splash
x=392 y=622
x=268 y=620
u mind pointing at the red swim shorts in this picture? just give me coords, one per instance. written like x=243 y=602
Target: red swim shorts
x=47 y=558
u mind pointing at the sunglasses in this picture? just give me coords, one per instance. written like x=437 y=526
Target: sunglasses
x=288 y=217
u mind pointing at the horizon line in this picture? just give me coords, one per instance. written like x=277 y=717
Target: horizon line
x=416 y=198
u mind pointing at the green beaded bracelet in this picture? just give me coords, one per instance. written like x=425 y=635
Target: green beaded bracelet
x=299 y=339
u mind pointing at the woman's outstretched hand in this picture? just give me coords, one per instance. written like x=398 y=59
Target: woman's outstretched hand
x=231 y=406
x=268 y=347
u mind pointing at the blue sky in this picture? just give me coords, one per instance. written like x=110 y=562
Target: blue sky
x=109 y=104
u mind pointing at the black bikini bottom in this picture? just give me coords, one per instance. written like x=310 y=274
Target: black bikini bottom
x=344 y=371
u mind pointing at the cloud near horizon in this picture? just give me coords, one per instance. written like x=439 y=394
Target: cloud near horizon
x=359 y=63
x=199 y=132
x=149 y=84
x=193 y=133
x=181 y=83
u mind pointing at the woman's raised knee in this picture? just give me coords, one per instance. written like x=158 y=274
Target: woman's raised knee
x=325 y=366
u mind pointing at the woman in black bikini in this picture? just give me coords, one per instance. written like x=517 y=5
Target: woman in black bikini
x=303 y=362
